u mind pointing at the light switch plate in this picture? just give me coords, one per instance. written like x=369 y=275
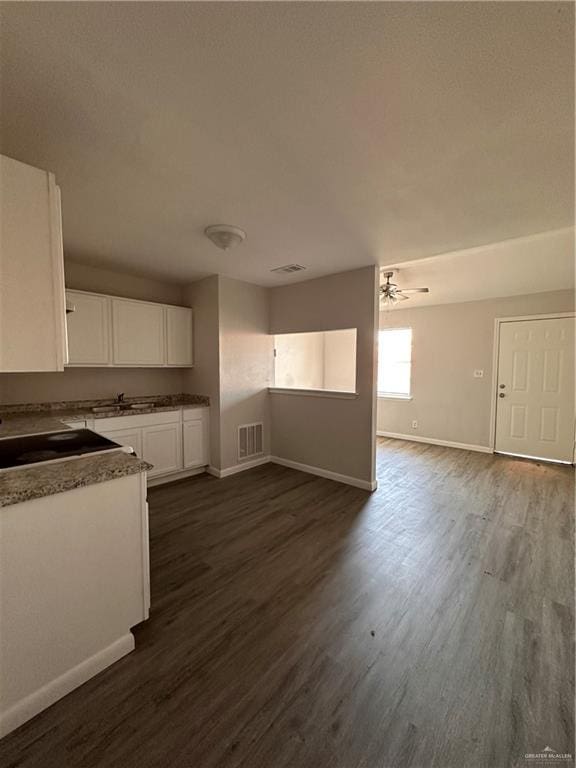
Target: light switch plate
x=478 y=373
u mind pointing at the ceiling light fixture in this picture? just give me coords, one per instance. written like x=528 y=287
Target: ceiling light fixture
x=225 y=236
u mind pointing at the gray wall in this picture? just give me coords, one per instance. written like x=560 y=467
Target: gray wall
x=246 y=358
x=334 y=434
x=88 y=383
x=204 y=378
x=233 y=360
x=87 y=278
x=449 y=342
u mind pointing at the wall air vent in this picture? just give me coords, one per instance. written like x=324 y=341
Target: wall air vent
x=249 y=440
x=289 y=268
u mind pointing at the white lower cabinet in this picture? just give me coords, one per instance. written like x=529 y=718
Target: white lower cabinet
x=75 y=579
x=172 y=441
x=162 y=447
x=193 y=442
x=131 y=438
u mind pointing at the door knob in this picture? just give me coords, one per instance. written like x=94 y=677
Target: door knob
x=501 y=386
x=501 y=394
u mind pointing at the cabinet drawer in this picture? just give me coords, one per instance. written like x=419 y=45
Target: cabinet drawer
x=137 y=420
x=194 y=414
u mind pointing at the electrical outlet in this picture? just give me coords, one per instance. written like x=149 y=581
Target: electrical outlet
x=478 y=373
x=414 y=424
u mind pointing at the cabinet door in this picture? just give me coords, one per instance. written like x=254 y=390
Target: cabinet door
x=195 y=444
x=179 y=336
x=32 y=304
x=128 y=437
x=138 y=333
x=88 y=329
x=162 y=447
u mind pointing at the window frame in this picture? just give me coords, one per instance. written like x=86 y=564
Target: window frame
x=344 y=394
x=383 y=395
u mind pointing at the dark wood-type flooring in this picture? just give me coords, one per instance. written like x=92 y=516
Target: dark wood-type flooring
x=300 y=623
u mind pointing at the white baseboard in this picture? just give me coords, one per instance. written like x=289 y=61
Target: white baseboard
x=434 y=441
x=238 y=467
x=35 y=702
x=329 y=475
x=161 y=479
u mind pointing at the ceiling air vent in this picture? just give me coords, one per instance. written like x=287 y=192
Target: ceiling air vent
x=289 y=268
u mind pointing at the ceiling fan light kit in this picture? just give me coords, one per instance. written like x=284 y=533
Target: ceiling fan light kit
x=225 y=236
x=390 y=294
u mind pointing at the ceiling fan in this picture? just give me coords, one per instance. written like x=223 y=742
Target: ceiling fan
x=390 y=294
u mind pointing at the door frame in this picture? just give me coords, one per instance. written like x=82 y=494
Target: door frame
x=495 y=359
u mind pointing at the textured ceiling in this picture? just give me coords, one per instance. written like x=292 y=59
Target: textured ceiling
x=533 y=264
x=336 y=134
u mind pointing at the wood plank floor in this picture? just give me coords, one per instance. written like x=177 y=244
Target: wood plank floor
x=299 y=623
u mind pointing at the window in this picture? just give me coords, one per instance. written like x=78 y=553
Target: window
x=394 y=362
x=323 y=360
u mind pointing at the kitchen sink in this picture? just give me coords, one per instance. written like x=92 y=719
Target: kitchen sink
x=106 y=408
x=119 y=407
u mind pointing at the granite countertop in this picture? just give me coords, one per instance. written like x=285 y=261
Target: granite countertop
x=41 y=480
x=35 y=418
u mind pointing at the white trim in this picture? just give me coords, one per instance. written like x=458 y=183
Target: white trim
x=532 y=458
x=495 y=361
x=319 y=471
x=57 y=258
x=390 y=396
x=434 y=441
x=44 y=697
x=374 y=381
x=313 y=392
x=366 y=485
x=548 y=316
x=237 y=467
x=173 y=476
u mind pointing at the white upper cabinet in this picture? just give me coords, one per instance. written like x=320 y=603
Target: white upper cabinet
x=179 y=342
x=112 y=331
x=32 y=304
x=138 y=333
x=88 y=329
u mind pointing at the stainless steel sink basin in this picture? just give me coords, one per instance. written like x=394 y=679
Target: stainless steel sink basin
x=106 y=409
x=119 y=407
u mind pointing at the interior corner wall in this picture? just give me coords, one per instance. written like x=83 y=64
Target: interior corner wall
x=84 y=277
x=450 y=342
x=246 y=361
x=323 y=432
x=233 y=358
x=204 y=379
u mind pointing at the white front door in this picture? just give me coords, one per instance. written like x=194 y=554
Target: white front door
x=535 y=400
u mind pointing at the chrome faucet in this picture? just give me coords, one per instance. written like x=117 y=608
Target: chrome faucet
x=120 y=397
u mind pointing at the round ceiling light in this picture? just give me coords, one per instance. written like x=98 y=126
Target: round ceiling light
x=225 y=236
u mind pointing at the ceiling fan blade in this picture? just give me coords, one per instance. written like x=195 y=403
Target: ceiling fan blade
x=413 y=290
x=400 y=297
